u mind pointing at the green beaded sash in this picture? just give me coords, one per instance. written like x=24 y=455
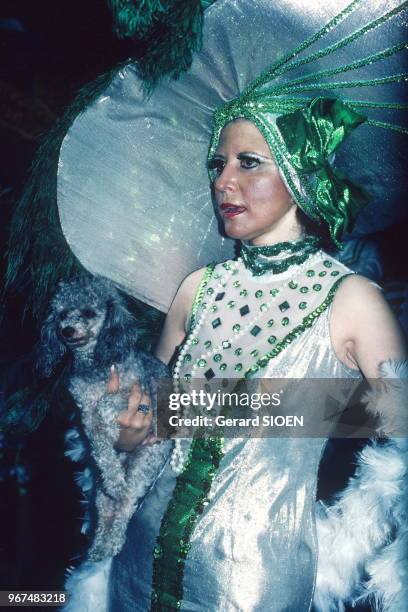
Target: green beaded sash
x=187 y=503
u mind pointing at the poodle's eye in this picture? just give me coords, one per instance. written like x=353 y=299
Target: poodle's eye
x=89 y=313
x=63 y=314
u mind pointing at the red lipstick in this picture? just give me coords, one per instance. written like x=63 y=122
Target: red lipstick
x=231 y=210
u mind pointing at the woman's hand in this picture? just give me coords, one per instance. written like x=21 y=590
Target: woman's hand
x=134 y=424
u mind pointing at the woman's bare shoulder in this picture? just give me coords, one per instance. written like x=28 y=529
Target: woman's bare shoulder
x=364 y=328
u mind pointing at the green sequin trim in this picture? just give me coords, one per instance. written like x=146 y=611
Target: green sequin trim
x=256 y=258
x=307 y=322
x=200 y=293
x=187 y=503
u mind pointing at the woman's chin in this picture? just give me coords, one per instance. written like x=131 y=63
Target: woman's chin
x=234 y=231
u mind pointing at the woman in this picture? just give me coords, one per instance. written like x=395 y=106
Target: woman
x=256 y=207
x=284 y=309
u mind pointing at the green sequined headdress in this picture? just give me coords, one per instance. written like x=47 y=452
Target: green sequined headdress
x=304 y=127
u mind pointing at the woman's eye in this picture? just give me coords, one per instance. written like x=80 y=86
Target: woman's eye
x=249 y=162
x=216 y=166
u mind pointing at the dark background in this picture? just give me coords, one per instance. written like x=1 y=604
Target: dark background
x=48 y=50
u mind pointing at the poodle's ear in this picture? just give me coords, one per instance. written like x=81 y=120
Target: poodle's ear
x=118 y=335
x=51 y=350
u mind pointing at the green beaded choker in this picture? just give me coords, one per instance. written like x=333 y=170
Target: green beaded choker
x=277 y=258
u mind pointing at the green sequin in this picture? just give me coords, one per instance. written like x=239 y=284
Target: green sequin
x=238 y=367
x=187 y=377
x=217 y=357
x=272 y=339
x=259 y=293
x=317 y=287
x=243 y=292
x=263 y=307
x=322 y=273
x=304 y=289
x=254 y=353
x=231 y=304
x=285 y=321
x=187 y=358
x=236 y=328
x=238 y=351
x=210 y=291
x=207 y=344
x=327 y=263
x=236 y=284
x=310 y=273
x=270 y=322
x=335 y=273
x=195 y=341
x=226 y=344
x=201 y=363
x=226 y=265
x=292 y=285
x=302 y=305
x=223 y=367
x=214 y=308
x=274 y=292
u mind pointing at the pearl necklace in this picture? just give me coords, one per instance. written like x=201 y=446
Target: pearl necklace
x=177 y=458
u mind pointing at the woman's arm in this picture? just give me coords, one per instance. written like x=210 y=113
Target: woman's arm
x=135 y=425
x=175 y=325
x=364 y=330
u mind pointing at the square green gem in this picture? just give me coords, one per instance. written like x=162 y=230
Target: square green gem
x=216 y=322
x=255 y=330
x=284 y=306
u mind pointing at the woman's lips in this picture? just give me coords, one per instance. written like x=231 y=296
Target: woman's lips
x=231 y=210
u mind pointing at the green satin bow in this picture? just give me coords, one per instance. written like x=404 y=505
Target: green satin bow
x=311 y=136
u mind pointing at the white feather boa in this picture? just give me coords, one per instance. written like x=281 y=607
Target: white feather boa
x=362 y=537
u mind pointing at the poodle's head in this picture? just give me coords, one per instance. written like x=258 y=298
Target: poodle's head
x=87 y=318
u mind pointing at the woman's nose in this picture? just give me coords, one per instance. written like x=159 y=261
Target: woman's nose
x=227 y=179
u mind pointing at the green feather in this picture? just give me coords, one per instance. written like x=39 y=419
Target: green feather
x=38 y=254
x=170 y=31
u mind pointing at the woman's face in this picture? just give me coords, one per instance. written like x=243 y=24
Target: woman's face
x=250 y=193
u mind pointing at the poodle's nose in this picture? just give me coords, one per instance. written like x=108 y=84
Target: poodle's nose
x=68 y=332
